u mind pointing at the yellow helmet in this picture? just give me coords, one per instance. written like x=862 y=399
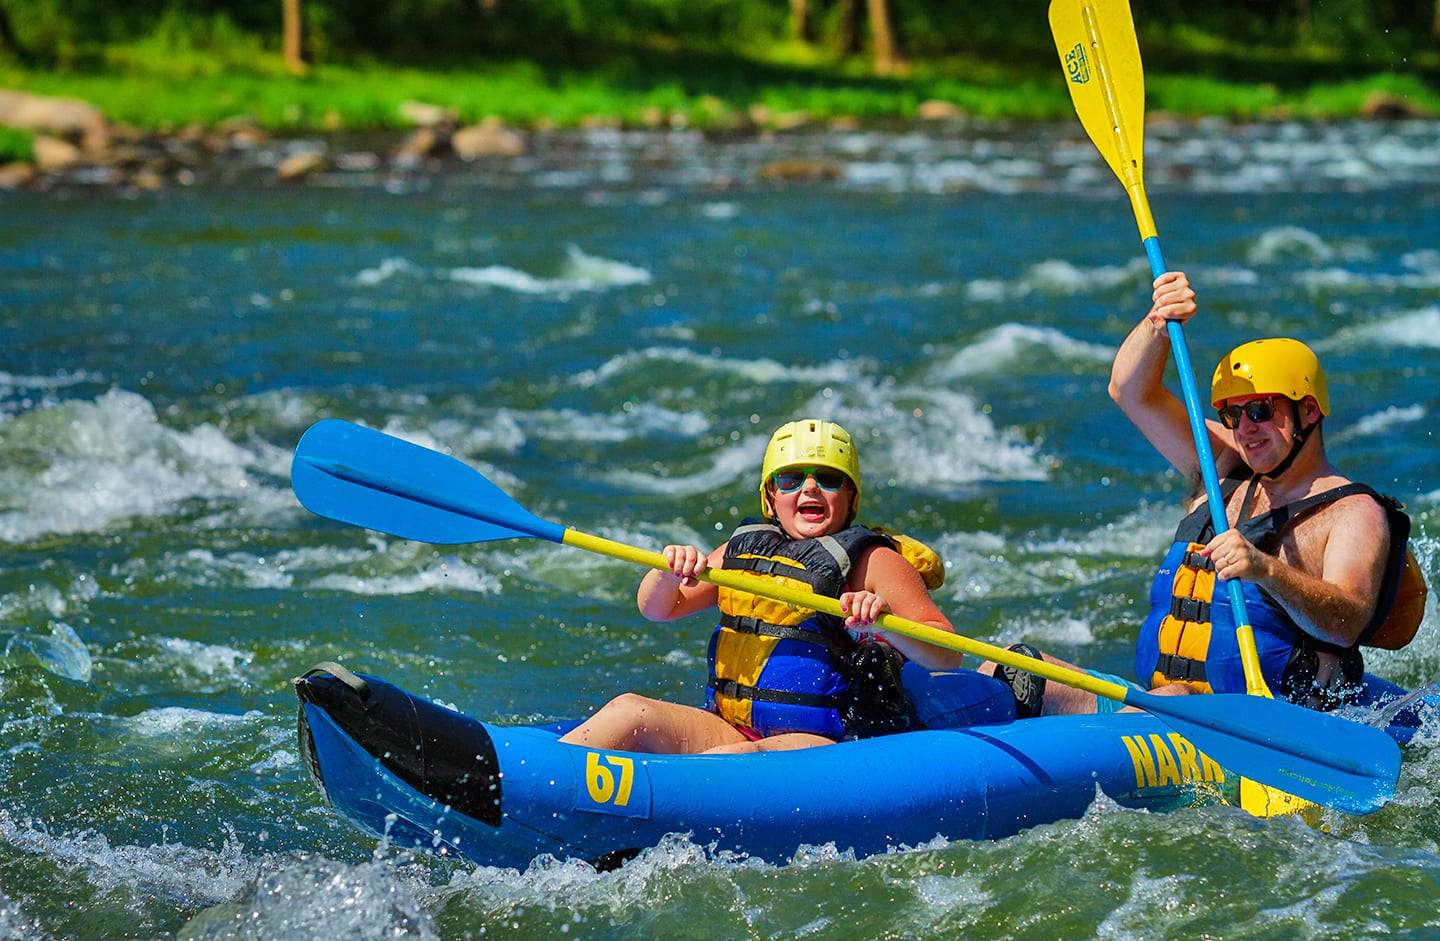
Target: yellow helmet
x=812 y=443
x=1278 y=366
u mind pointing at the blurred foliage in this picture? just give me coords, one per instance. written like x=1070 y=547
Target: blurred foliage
x=15 y=144
x=1347 y=35
x=708 y=63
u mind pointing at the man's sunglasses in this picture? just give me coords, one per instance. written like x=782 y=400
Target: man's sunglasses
x=1259 y=411
x=792 y=479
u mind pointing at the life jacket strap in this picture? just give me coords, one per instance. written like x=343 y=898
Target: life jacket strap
x=745 y=624
x=1180 y=669
x=1193 y=559
x=1190 y=609
x=733 y=690
x=775 y=567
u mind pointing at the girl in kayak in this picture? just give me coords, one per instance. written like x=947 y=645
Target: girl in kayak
x=782 y=677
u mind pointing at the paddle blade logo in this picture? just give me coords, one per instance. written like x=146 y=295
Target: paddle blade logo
x=1077 y=66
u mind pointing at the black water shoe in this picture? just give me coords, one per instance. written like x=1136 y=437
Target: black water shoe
x=1028 y=689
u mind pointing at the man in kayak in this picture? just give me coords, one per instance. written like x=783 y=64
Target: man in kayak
x=1319 y=556
x=783 y=678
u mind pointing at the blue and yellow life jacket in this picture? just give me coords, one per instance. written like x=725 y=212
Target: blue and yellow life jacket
x=773 y=667
x=1189 y=635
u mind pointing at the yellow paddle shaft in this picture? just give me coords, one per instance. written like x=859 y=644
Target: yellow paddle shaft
x=766 y=588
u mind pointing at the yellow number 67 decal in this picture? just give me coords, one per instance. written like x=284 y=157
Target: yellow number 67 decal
x=600 y=780
x=612 y=784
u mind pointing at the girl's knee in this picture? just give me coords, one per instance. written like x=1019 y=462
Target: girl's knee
x=631 y=703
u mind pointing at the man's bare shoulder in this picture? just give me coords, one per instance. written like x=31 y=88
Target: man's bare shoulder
x=1355 y=526
x=1354 y=509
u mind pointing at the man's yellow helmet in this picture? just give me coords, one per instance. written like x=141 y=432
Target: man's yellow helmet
x=1277 y=366
x=810 y=442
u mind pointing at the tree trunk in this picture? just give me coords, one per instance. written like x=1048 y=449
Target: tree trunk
x=8 y=40
x=294 y=44
x=800 y=20
x=882 y=34
x=848 y=39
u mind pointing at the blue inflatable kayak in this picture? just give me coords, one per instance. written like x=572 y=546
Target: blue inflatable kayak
x=429 y=777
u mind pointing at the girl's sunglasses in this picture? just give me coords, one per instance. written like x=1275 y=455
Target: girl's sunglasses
x=792 y=479
x=1258 y=411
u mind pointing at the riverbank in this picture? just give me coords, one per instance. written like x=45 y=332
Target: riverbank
x=165 y=121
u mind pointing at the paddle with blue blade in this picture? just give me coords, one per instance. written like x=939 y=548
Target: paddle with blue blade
x=364 y=477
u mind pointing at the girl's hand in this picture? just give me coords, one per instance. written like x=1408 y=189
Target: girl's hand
x=687 y=563
x=862 y=608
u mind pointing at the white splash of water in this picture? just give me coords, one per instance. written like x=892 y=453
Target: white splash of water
x=79 y=467
x=580 y=272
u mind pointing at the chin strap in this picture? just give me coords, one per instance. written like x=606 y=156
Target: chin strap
x=1302 y=435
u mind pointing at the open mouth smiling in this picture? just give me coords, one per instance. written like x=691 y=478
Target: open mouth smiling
x=814 y=511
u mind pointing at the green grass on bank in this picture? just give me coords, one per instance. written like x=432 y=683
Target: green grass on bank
x=1195 y=96
x=629 y=91
x=15 y=144
x=158 y=87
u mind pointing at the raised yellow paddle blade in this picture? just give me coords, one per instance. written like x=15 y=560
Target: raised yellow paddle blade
x=1097 y=47
x=1101 y=59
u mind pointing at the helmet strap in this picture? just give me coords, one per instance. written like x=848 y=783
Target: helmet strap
x=1302 y=435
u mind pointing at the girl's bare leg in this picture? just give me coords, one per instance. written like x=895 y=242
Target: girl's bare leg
x=631 y=722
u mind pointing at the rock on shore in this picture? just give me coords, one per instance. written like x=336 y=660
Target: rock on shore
x=74 y=143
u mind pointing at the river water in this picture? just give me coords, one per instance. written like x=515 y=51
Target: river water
x=609 y=328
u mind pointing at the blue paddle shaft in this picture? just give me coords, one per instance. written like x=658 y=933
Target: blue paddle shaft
x=1198 y=430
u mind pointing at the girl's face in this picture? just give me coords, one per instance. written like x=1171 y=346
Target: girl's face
x=818 y=506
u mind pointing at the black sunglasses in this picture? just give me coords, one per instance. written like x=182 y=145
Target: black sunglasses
x=792 y=479
x=1259 y=411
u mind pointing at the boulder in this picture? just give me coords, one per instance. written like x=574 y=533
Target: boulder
x=936 y=110
x=1386 y=105
x=300 y=165
x=147 y=180
x=423 y=114
x=418 y=145
x=68 y=118
x=16 y=175
x=489 y=138
x=237 y=132
x=53 y=154
x=790 y=171
x=764 y=116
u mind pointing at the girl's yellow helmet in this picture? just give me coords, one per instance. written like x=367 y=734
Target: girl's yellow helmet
x=1277 y=366
x=810 y=442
